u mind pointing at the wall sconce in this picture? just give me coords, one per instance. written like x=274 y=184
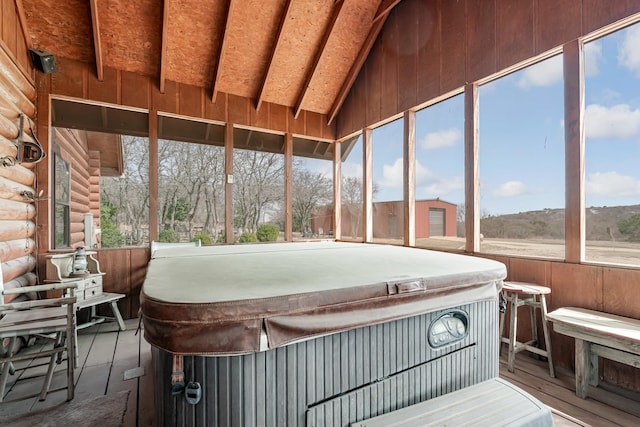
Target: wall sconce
x=26 y=151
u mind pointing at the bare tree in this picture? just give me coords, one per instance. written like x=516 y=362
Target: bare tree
x=130 y=191
x=258 y=186
x=310 y=190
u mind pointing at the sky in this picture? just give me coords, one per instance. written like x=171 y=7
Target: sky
x=522 y=137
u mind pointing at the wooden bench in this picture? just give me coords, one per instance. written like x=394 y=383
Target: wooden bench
x=597 y=334
x=489 y=403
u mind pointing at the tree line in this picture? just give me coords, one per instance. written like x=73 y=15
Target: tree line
x=191 y=183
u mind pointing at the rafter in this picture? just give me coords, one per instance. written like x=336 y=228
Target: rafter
x=274 y=51
x=23 y=23
x=221 y=53
x=357 y=66
x=384 y=8
x=319 y=53
x=95 y=24
x=163 y=51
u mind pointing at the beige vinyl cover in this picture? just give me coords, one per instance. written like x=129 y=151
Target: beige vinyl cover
x=220 y=299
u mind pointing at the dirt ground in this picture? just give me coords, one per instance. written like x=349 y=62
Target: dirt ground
x=624 y=253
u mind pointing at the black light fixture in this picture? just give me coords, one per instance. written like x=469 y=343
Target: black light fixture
x=43 y=60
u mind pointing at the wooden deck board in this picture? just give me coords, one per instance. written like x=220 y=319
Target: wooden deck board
x=106 y=353
x=559 y=393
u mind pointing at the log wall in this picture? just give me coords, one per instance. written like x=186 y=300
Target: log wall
x=17 y=193
x=72 y=147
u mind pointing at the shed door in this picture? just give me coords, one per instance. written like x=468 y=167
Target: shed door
x=436 y=222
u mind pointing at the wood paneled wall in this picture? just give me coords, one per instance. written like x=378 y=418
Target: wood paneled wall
x=430 y=48
x=17 y=193
x=603 y=288
x=78 y=80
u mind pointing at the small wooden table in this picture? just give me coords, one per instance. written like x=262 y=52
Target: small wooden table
x=93 y=302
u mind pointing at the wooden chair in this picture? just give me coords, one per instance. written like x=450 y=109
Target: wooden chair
x=52 y=317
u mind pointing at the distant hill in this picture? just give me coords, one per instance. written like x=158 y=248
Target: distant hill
x=601 y=223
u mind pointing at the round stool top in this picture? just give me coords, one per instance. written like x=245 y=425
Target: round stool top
x=525 y=288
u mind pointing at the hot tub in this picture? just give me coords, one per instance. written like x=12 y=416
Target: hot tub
x=315 y=334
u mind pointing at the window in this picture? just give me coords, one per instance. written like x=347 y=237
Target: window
x=124 y=199
x=439 y=175
x=312 y=204
x=190 y=192
x=522 y=166
x=388 y=183
x=61 y=188
x=352 y=192
x=258 y=186
x=612 y=148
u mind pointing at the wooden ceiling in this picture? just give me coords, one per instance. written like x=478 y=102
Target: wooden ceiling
x=304 y=54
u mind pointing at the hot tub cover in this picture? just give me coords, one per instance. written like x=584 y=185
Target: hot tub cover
x=220 y=299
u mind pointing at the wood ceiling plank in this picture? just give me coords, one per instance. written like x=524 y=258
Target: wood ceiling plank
x=321 y=50
x=357 y=66
x=384 y=9
x=23 y=23
x=222 y=52
x=95 y=25
x=163 y=44
x=274 y=52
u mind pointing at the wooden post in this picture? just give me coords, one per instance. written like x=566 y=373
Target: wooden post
x=471 y=171
x=409 y=166
x=228 y=183
x=153 y=175
x=574 y=151
x=367 y=184
x=288 y=187
x=43 y=169
x=337 y=190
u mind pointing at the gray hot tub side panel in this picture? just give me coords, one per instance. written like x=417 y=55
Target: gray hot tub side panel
x=342 y=378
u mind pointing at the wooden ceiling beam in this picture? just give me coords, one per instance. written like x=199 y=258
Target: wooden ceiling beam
x=384 y=8
x=95 y=25
x=376 y=27
x=23 y=23
x=163 y=47
x=274 y=52
x=222 y=51
x=327 y=34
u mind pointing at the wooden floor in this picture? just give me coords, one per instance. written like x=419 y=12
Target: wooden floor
x=107 y=354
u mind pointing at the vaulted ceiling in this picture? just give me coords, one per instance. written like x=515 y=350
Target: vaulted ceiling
x=303 y=54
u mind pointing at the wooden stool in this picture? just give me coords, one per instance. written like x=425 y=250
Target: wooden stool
x=518 y=294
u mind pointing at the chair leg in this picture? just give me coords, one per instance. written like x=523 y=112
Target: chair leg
x=513 y=328
x=72 y=350
x=6 y=367
x=547 y=335
x=502 y=324
x=52 y=365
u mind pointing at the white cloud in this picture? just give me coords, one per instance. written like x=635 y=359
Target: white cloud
x=628 y=53
x=545 y=73
x=392 y=174
x=619 y=121
x=441 y=139
x=427 y=183
x=612 y=184
x=442 y=187
x=352 y=170
x=592 y=56
x=510 y=189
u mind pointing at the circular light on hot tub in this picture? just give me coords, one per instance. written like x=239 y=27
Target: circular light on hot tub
x=448 y=328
